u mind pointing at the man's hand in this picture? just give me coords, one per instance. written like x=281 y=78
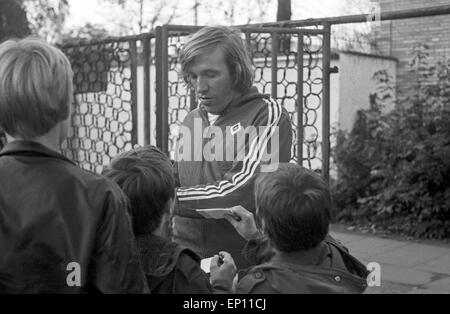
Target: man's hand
x=223 y=270
x=244 y=222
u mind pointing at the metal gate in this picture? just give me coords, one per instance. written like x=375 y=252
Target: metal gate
x=105 y=110
x=131 y=88
x=98 y=133
x=293 y=73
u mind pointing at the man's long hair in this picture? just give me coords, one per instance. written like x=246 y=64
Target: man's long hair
x=236 y=55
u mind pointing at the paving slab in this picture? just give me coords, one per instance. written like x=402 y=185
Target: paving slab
x=346 y=238
x=439 y=265
x=389 y=288
x=405 y=275
x=410 y=255
x=366 y=247
x=441 y=285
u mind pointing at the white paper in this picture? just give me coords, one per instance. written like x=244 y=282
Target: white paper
x=214 y=213
x=205 y=264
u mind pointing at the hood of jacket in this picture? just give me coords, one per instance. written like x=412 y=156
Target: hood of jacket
x=247 y=98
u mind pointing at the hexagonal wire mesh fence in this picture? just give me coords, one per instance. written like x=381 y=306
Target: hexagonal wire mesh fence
x=276 y=54
x=104 y=115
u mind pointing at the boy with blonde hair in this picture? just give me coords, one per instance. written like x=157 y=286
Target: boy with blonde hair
x=62 y=229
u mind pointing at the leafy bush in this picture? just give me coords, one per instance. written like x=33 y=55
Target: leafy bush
x=394 y=168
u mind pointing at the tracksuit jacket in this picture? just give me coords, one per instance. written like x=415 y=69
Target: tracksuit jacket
x=228 y=179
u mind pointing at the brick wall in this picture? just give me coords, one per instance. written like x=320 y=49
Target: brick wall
x=398 y=38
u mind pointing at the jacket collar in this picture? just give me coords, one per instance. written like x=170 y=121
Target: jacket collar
x=314 y=256
x=30 y=148
x=239 y=101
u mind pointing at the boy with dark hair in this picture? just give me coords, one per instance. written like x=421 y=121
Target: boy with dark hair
x=297 y=255
x=145 y=174
x=62 y=229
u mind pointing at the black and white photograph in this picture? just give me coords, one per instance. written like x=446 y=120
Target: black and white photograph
x=224 y=151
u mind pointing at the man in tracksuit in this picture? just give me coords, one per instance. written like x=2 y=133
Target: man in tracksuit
x=62 y=229
x=234 y=134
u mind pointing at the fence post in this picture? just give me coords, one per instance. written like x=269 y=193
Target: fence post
x=248 y=44
x=133 y=65
x=147 y=119
x=326 y=102
x=274 y=64
x=300 y=99
x=162 y=110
